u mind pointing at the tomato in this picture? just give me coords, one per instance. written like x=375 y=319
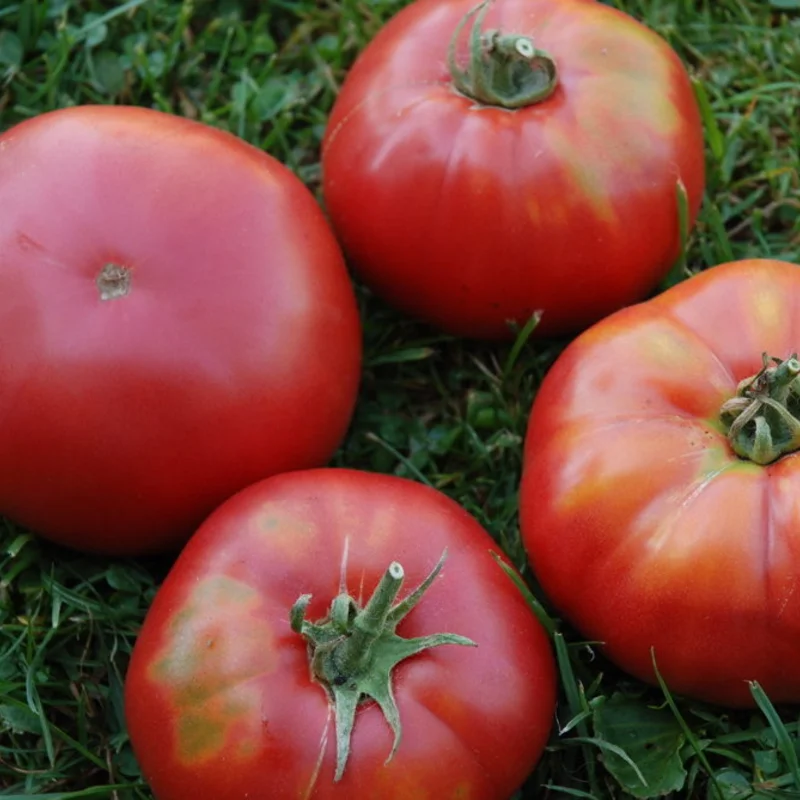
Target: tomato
x=220 y=698
x=660 y=500
x=467 y=211
x=176 y=321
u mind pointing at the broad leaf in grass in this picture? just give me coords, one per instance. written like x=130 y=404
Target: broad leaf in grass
x=19 y=719
x=732 y=785
x=652 y=739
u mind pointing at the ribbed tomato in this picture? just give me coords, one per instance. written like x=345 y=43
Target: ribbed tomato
x=287 y=655
x=660 y=500
x=535 y=168
x=176 y=322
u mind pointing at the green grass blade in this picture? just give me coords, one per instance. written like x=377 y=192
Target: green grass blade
x=578 y=708
x=787 y=747
x=690 y=736
x=546 y=621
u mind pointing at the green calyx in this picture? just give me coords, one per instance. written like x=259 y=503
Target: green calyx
x=354 y=650
x=764 y=418
x=504 y=70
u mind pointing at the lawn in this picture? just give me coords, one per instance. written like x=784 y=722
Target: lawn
x=433 y=408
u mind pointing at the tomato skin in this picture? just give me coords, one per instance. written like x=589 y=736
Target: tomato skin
x=642 y=525
x=468 y=216
x=474 y=719
x=124 y=422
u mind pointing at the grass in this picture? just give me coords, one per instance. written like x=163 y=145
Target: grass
x=439 y=410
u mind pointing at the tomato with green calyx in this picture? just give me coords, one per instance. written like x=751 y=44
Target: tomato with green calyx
x=339 y=634
x=660 y=500
x=176 y=322
x=482 y=164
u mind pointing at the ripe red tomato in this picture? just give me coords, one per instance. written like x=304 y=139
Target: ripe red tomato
x=176 y=323
x=469 y=214
x=660 y=501
x=220 y=699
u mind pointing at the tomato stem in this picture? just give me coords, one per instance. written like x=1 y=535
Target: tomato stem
x=354 y=650
x=504 y=70
x=763 y=418
x=368 y=626
x=113 y=281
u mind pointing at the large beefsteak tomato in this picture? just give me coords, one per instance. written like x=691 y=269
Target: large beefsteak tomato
x=268 y=667
x=537 y=171
x=660 y=501
x=176 y=322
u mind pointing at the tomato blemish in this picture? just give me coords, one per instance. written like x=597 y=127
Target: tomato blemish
x=209 y=663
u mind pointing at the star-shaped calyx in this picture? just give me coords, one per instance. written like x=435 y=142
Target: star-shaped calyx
x=763 y=419
x=354 y=649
